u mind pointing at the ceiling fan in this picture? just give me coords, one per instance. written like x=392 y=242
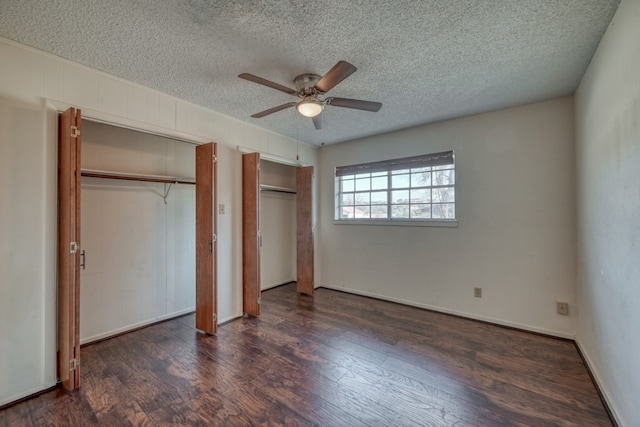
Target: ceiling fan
x=310 y=88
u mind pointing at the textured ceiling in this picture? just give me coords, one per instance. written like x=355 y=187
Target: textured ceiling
x=424 y=60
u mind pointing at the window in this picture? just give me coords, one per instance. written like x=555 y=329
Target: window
x=415 y=188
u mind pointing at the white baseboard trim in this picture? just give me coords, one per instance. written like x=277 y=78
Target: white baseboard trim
x=454 y=312
x=602 y=388
x=131 y=327
x=274 y=285
x=27 y=393
x=229 y=318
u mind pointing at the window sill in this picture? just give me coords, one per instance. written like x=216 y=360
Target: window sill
x=414 y=223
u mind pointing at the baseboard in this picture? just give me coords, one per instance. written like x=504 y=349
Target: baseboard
x=20 y=397
x=132 y=327
x=473 y=316
x=602 y=389
x=275 y=285
x=228 y=319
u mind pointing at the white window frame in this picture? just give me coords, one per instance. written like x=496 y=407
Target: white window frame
x=415 y=209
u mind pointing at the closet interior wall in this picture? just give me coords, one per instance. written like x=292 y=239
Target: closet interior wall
x=140 y=251
x=277 y=225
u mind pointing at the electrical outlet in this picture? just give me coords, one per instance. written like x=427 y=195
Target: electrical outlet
x=563 y=308
x=221 y=209
x=477 y=292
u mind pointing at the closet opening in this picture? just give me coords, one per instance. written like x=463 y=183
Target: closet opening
x=130 y=204
x=138 y=230
x=277 y=228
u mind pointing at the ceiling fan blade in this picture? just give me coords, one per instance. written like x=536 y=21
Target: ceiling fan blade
x=338 y=73
x=318 y=121
x=267 y=83
x=354 y=103
x=273 y=110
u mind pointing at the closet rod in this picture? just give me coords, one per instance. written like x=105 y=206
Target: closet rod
x=136 y=177
x=275 y=188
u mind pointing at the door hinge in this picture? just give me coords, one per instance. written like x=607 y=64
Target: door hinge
x=75 y=132
x=259 y=300
x=73 y=364
x=215 y=317
x=258 y=166
x=74 y=247
x=214 y=158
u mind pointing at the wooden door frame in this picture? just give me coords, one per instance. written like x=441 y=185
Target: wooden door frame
x=69 y=156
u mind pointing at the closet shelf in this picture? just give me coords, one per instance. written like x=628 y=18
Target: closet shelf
x=265 y=187
x=93 y=173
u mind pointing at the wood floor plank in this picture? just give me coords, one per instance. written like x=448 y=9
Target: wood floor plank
x=333 y=359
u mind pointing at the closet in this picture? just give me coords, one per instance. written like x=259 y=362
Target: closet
x=137 y=227
x=277 y=224
x=276 y=228
x=129 y=206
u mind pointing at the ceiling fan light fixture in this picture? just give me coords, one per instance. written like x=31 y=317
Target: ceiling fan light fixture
x=309 y=108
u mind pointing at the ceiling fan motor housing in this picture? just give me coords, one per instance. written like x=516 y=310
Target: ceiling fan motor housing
x=305 y=84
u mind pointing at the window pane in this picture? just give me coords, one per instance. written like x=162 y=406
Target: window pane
x=446 y=194
x=379 y=211
x=422 y=179
x=421 y=211
x=401 y=196
x=347 y=185
x=444 y=211
x=400 y=181
x=362 y=198
x=362 y=212
x=363 y=175
x=346 y=212
x=444 y=177
x=379 y=183
x=420 y=196
x=400 y=211
x=379 y=174
x=347 y=199
x=439 y=168
x=363 y=184
x=379 y=198
x=426 y=169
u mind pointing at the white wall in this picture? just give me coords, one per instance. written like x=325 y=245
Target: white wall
x=515 y=207
x=608 y=201
x=28 y=160
x=277 y=225
x=27 y=248
x=140 y=252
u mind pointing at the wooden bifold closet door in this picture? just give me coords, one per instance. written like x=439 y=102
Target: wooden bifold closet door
x=251 y=234
x=69 y=144
x=206 y=238
x=304 y=229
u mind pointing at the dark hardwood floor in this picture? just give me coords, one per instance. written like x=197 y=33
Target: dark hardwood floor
x=342 y=360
